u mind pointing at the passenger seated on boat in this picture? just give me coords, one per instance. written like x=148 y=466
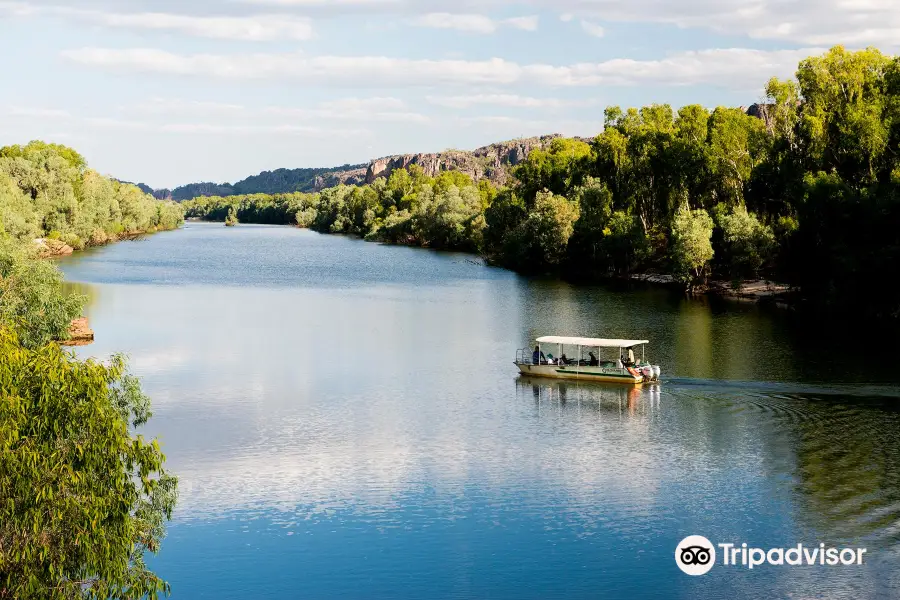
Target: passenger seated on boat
x=550 y=360
x=537 y=357
x=563 y=360
x=594 y=361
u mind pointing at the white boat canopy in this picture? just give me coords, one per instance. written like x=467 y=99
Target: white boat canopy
x=591 y=342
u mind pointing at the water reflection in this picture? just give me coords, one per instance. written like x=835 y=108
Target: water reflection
x=353 y=408
x=630 y=401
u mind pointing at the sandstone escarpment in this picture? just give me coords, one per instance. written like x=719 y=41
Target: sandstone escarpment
x=491 y=162
x=355 y=176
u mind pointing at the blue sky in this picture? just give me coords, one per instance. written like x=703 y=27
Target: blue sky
x=169 y=92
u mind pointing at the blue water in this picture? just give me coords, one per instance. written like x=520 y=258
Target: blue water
x=346 y=422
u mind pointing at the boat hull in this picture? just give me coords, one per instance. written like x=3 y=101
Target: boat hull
x=602 y=374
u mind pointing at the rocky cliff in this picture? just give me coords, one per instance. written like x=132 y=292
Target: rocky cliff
x=491 y=162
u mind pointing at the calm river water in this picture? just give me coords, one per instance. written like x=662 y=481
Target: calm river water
x=346 y=422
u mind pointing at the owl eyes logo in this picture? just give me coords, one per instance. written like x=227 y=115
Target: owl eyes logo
x=695 y=555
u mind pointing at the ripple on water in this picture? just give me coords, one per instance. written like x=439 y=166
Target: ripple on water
x=345 y=422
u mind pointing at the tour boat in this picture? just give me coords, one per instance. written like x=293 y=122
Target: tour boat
x=624 y=367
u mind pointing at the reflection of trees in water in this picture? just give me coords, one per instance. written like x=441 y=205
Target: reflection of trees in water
x=626 y=400
x=86 y=290
x=703 y=338
x=848 y=467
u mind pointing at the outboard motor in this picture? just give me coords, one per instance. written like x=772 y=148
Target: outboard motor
x=656 y=372
x=648 y=372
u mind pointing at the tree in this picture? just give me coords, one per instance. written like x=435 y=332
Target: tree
x=595 y=205
x=504 y=214
x=231 y=220
x=81 y=497
x=32 y=301
x=557 y=169
x=842 y=122
x=17 y=215
x=737 y=145
x=541 y=240
x=691 y=247
x=66 y=200
x=747 y=243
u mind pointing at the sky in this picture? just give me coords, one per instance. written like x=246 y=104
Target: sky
x=169 y=92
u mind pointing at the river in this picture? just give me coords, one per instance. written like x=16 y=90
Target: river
x=346 y=422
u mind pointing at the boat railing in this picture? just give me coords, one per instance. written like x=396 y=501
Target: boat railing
x=524 y=356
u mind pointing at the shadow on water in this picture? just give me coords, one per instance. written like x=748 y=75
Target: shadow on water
x=836 y=447
x=709 y=338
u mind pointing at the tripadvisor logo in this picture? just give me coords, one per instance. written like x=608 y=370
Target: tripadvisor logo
x=696 y=555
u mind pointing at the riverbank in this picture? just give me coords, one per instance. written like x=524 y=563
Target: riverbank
x=754 y=290
x=760 y=291
x=54 y=248
x=80 y=333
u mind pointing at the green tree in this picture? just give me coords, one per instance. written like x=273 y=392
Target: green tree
x=504 y=215
x=541 y=240
x=842 y=116
x=558 y=169
x=231 y=219
x=32 y=301
x=691 y=246
x=747 y=243
x=17 y=215
x=81 y=497
x=737 y=145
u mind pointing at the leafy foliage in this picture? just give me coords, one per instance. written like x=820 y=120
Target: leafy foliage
x=47 y=189
x=81 y=497
x=32 y=301
x=691 y=246
x=231 y=218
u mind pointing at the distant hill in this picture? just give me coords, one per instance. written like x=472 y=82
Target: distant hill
x=278 y=181
x=160 y=194
x=493 y=162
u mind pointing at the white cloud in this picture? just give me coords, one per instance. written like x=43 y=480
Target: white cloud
x=593 y=28
x=736 y=68
x=505 y=100
x=240 y=28
x=342 y=70
x=252 y=28
x=180 y=106
x=529 y=23
x=35 y=112
x=354 y=109
x=327 y=3
x=359 y=104
x=221 y=129
x=473 y=23
x=470 y=23
x=811 y=22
